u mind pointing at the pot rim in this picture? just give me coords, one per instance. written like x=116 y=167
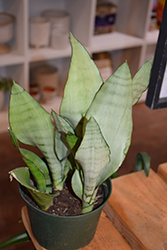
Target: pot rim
x=13 y=18
x=109 y=186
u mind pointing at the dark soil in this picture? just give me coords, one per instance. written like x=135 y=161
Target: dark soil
x=67 y=203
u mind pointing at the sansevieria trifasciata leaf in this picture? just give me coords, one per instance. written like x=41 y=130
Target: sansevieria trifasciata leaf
x=93 y=155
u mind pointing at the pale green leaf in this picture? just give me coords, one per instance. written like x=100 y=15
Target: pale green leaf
x=141 y=80
x=71 y=139
x=22 y=175
x=66 y=168
x=62 y=125
x=60 y=147
x=93 y=156
x=32 y=125
x=112 y=109
x=77 y=184
x=83 y=82
x=36 y=165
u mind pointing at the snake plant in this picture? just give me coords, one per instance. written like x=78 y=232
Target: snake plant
x=88 y=139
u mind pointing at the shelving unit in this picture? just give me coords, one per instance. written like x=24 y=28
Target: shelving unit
x=130 y=41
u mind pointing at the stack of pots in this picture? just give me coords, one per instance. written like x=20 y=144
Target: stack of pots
x=50 y=29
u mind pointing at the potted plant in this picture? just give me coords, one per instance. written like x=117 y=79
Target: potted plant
x=84 y=144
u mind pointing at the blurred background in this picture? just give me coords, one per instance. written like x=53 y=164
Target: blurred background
x=35 y=52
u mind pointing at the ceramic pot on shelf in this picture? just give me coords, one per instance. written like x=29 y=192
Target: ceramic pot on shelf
x=47 y=78
x=6 y=31
x=39 y=32
x=60 y=22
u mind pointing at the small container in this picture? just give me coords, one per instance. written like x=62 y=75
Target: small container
x=103 y=61
x=6 y=31
x=48 y=94
x=60 y=25
x=59 y=39
x=39 y=32
x=105 y=17
x=59 y=19
x=35 y=93
x=46 y=76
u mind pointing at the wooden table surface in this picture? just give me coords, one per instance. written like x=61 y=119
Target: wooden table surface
x=135 y=216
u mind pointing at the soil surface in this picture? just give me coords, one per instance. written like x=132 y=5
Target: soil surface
x=67 y=203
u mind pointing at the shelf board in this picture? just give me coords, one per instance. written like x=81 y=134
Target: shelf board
x=152 y=37
x=40 y=54
x=11 y=58
x=114 y=41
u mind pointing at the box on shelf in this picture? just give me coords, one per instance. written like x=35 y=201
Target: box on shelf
x=104 y=63
x=153 y=18
x=160 y=9
x=105 y=17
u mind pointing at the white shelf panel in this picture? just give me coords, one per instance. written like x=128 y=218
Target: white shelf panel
x=114 y=41
x=152 y=37
x=41 y=54
x=11 y=58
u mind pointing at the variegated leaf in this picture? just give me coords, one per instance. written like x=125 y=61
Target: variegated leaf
x=112 y=109
x=32 y=125
x=83 y=82
x=93 y=156
x=141 y=80
x=22 y=175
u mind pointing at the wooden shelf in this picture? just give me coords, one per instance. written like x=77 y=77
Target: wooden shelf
x=135 y=216
x=12 y=58
x=114 y=41
x=43 y=54
x=137 y=208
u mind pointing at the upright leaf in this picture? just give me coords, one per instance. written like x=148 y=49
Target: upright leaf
x=112 y=109
x=36 y=166
x=141 y=80
x=77 y=184
x=83 y=82
x=93 y=156
x=32 y=125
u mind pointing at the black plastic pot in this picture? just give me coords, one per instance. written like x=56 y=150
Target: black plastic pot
x=65 y=232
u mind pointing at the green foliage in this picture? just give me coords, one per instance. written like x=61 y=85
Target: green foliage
x=90 y=137
x=143 y=162
x=17 y=239
x=5 y=84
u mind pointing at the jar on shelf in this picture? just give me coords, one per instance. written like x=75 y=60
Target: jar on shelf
x=103 y=61
x=60 y=25
x=153 y=18
x=160 y=9
x=35 y=91
x=105 y=17
x=6 y=31
x=47 y=78
x=39 y=32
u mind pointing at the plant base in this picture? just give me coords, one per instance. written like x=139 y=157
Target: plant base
x=65 y=232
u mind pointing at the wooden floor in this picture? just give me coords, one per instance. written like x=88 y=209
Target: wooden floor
x=149 y=135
